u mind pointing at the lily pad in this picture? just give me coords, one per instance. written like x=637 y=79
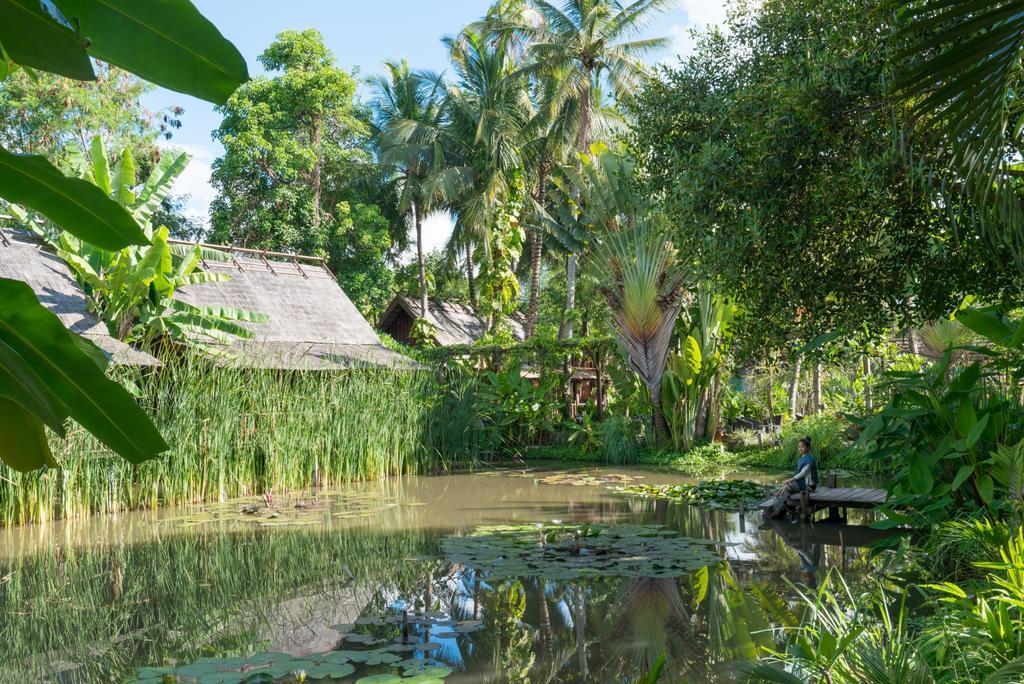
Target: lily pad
x=721 y=494
x=573 y=551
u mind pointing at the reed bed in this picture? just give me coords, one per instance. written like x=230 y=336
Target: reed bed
x=236 y=432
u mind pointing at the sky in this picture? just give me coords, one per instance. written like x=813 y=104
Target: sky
x=361 y=34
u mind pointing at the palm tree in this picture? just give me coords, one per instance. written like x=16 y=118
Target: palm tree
x=407 y=120
x=964 y=77
x=587 y=45
x=485 y=114
x=643 y=284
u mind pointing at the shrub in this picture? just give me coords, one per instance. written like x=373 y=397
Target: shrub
x=620 y=439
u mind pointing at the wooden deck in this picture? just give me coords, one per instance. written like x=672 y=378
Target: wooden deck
x=833 y=498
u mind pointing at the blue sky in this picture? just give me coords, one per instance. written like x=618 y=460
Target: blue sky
x=362 y=34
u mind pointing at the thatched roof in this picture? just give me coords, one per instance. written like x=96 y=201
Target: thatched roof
x=313 y=325
x=455 y=323
x=24 y=257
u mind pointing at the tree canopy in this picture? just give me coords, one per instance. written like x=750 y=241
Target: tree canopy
x=297 y=174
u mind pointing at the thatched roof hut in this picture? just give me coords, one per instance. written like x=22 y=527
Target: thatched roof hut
x=24 y=257
x=313 y=325
x=455 y=324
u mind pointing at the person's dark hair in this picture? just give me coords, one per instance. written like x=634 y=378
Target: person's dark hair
x=806 y=441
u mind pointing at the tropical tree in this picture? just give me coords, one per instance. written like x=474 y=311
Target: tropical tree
x=643 y=282
x=964 y=79
x=407 y=118
x=586 y=45
x=485 y=112
x=48 y=374
x=132 y=289
x=298 y=173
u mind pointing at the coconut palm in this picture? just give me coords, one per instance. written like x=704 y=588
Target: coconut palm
x=485 y=114
x=590 y=46
x=965 y=79
x=407 y=118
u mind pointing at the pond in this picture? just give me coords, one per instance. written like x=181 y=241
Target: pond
x=507 y=576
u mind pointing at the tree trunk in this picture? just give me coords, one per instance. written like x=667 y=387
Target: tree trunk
x=771 y=400
x=661 y=434
x=700 y=428
x=316 y=180
x=816 y=389
x=868 y=404
x=794 y=387
x=912 y=341
x=570 y=265
x=416 y=211
x=536 y=250
x=470 y=276
x=570 y=297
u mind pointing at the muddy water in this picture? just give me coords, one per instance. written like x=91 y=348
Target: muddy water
x=326 y=582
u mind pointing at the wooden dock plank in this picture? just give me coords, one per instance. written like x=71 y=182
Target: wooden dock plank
x=838 y=497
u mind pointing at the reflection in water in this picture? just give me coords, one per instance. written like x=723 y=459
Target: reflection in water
x=152 y=593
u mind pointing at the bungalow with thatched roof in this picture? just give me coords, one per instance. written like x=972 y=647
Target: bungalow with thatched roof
x=312 y=323
x=454 y=324
x=24 y=257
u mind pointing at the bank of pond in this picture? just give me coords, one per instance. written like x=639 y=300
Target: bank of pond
x=533 y=573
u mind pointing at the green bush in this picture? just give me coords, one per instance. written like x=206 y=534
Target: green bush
x=620 y=439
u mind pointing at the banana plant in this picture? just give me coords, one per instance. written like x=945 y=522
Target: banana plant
x=686 y=389
x=132 y=289
x=48 y=374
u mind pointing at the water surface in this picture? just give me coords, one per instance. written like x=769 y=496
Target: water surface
x=365 y=569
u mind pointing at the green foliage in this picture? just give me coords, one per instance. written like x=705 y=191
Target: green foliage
x=297 y=174
x=49 y=115
x=941 y=435
x=516 y=410
x=568 y=551
x=775 y=147
x=718 y=494
x=41 y=38
x=828 y=433
x=687 y=383
x=47 y=374
x=619 y=438
x=133 y=288
x=236 y=432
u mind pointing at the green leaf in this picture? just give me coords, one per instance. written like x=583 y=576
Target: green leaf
x=166 y=42
x=986 y=488
x=23 y=444
x=124 y=180
x=20 y=384
x=35 y=34
x=77 y=206
x=988 y=324
x=921 y=479
x=977 y=431
x=962 y=474
x=100 y=170
x=97 y=403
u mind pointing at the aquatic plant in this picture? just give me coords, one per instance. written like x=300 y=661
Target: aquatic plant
x=271 y=667
x=727 y=494
x=558 y=551
x=242 y=432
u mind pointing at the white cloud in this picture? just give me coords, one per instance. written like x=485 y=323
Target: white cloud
x=437 y=228
x=195 y=180
x=699 y=15
x=704 y=12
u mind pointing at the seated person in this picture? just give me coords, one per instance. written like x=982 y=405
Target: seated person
x=806 y=478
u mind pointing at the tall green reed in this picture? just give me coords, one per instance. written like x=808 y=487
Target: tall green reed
x=236 y=432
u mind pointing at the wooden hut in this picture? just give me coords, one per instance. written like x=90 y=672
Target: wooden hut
x=24 y=257
x=454 y=324
x=312 y=323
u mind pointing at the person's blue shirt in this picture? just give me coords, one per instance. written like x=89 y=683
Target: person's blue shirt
x=810 y=477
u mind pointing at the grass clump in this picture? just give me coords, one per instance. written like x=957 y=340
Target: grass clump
x=237 y=432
